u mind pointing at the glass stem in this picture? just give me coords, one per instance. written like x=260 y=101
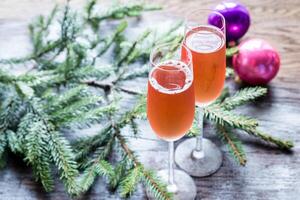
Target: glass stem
x=198 y=152
x=171 y=184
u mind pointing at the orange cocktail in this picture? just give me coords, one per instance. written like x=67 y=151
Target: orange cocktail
x=207 y=44
x=170 y=101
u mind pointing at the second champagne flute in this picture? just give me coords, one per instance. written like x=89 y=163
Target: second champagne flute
x=207 y=44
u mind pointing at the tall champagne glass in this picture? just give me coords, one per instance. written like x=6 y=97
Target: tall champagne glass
x=207 y=45
x=170 y=109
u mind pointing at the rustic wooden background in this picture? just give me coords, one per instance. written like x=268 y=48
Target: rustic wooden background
x=269 y=174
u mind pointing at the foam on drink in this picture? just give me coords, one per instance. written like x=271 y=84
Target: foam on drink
x=171 y=77
x=205 y=39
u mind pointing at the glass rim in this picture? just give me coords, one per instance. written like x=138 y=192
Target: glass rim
x=186 y=16
x=168 y=44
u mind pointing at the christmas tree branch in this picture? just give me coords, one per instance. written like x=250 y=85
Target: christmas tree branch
x=128 y=55
x=150 y=180
x=111 y=39
x=98 y=166
x=107 y=87
x=284 y=145
x=243 y=96
x=233 y=144
x=219 y=115
x=117 y=11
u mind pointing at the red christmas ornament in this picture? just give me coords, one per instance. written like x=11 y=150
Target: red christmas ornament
x=257 y=62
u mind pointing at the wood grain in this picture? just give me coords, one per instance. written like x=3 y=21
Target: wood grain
x=269 y=174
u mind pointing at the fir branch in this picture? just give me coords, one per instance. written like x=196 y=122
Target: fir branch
x=13 y=141
x=233 y=144
x=282 y=144
x=79 y=118
x=134 y=127
x=50 y=146
x=34 y=133
x=40 y=29
x=10 y=113
x=83 y=73
x=6 y=77
x=98 y=166
x=143 y=51
x=155 y=186
x=121 y=11
x=57 y=102
x=117 y=11
x=243 y=96
x=64 y=160
x=107 y=87
x=90 y=7
x=129 y=183
x=168 y=36
x=220 y=116
x=223 y=96
x=129 y=55
x=24 y=90
x=65 y=113
x=150 y=180
x=111 y=39
x=140 y=72
x=128 y=91
x=86 y=145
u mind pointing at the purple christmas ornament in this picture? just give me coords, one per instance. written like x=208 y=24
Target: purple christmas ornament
x=237 y=19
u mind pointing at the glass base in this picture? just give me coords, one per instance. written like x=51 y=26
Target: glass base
x=185 y=186
x=205 y=166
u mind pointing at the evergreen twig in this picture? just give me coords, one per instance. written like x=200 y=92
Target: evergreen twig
x=220 y=116
x=243 y=96
x=282 y=144
x=233 y=144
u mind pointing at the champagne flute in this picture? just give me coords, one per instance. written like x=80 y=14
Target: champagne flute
x=170 y=109
x=207 y=45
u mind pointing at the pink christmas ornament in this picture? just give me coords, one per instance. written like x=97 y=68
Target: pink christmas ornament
x=257 y=62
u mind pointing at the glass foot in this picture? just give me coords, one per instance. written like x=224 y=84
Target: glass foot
x=205 y=166
x=185 y=186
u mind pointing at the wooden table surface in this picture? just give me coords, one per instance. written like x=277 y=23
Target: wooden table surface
x=269 y=173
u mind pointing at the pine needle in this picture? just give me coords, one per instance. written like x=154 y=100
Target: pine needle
x=155 y=186
x=233 y=144
x=223 y=117
x=129 y=183
x=64 y=159
x=243 y=96
x=34 y=132
x=282 y=144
